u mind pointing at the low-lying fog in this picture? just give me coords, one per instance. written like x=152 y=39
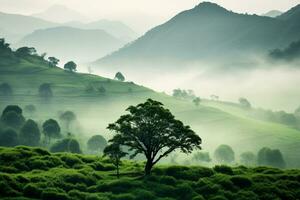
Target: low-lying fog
x=265 y=84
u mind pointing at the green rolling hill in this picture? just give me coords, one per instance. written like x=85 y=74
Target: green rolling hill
x=216 y=122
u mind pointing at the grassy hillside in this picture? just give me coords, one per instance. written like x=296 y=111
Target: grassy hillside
x=216 y=122
x=34 y=173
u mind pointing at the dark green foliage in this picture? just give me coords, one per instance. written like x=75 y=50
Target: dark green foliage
x=53 y=62
x=66 y=145
x=70 y=176
x=52 y=194
x=70 y=66
x=13 y=108
x=8 y=138
x=241 y=181
x=32 y=191
x=186 y=173
x=97 y=143
x=51 y=129
x=269 y=157
x=12 y=116
x=5 y=90
x=45 y=91
x=224 y=154
x=30 y=134
x=119 y=76
x=115 y=153
x=153 y=131
x=223 y=169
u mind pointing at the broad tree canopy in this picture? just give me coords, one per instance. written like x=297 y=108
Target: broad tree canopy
x=152 y=130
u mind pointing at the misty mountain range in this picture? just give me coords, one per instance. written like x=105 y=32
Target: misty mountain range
x=69 y=43
x=207 y=33
x=57 y=32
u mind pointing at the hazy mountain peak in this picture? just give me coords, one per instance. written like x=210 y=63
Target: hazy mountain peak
x=209 y=6
x=272 y=13
x=61 y=14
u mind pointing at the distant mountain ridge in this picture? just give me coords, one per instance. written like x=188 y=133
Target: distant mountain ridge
x=60 y=14
x=205 y=33
x=273 y=13
x=68 y=43
x=16 y=26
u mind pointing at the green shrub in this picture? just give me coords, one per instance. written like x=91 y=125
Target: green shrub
x=54 y=195
x=198 y=197
x=124 y=197
x=219 y=197
x=70 y=160
x=168 y=180
x=75 y=194
x=184 y=191
x=31 y=190
x=241 y=181
x=141 y=194
x=188 y=173
x=75 y=177
x=246 y=195
x=223 y=169
x=117 y=186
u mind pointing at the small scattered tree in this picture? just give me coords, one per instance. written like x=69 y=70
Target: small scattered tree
x=31 y=109
x=248 y=158
x=12 y=117
x=101 y=90
x=202 y=157
x=8 y=138
x=97 y=143
x=30 y=134
x=197 y=101
x=244 y=103
x=66 y=145
x=70 y=66
x=224 y=154
x=45 y=91
x=26 y=51
x=6 y=90
x=152 y=130
x=114 y=152
x=53 y=61
x=68 y=117
x=270 y=157
x=51 y=129
x=119 y=76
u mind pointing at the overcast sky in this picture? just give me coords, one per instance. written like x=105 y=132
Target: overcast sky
x=141 y=12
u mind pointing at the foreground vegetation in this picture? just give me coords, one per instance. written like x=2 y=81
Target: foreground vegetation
x=34 y=173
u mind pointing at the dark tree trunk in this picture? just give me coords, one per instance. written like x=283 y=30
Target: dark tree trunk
x=148 y=167
x=118 y=173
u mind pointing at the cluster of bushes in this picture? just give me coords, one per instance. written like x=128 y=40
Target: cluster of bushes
x=224 y=154
x=16 y=130
x=35 y=173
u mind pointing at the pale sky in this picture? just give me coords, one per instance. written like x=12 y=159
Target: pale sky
x=141 y=13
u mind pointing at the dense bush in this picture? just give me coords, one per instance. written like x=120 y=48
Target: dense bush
x=34 y=173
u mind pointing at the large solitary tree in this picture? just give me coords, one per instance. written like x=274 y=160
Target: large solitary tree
x=119 y=76
x=30 y=134
x=97 y=143
x=152 y=130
